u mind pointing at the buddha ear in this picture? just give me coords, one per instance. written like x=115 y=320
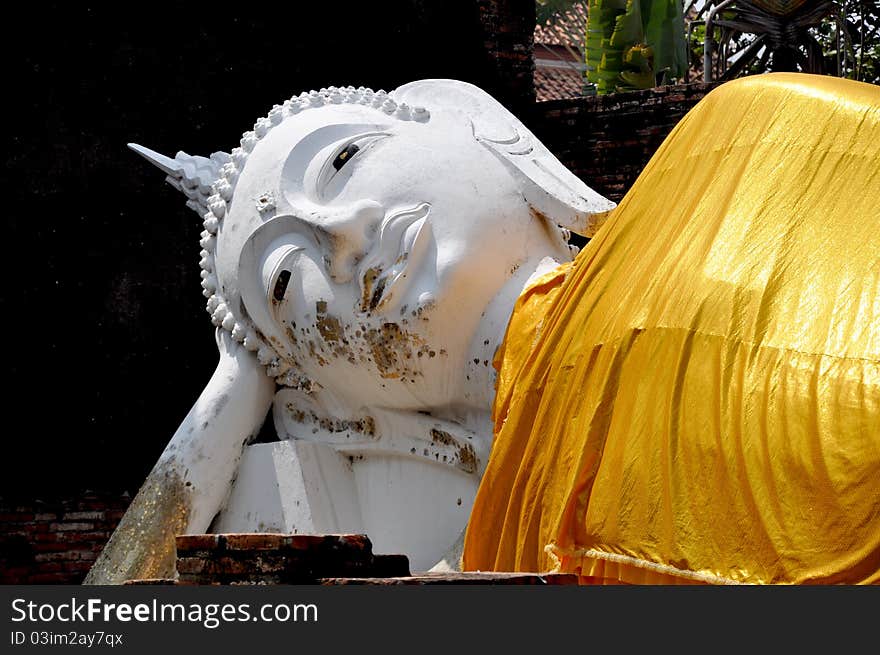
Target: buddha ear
x=549 y=187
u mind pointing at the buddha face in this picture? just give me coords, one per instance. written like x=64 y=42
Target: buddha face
x=366 y=249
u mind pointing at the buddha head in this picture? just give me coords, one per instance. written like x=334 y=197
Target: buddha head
x=355 y=241
x=364 y=249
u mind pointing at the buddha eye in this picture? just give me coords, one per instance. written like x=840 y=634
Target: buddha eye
x=278 y=272
x=345 y=156
x=344 y=153
x=281 y=285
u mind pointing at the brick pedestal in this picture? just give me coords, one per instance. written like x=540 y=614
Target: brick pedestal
x=281 y=558
x=463 y=578
x=328 y=559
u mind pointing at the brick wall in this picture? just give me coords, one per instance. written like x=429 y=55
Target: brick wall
x=508 y=28
x=55 y=542
x=330 y=559
x=607 y=140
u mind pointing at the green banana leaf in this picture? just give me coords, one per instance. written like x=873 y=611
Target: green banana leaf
x=629 y=43
x=664 y=32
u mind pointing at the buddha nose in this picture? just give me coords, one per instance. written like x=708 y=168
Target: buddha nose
x=348 y=233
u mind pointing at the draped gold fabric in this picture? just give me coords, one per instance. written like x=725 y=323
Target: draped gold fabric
x=697 y=397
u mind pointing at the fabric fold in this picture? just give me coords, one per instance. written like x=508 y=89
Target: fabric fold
x=697 y=397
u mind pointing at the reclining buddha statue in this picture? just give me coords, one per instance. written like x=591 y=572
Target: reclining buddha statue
x=694 y=398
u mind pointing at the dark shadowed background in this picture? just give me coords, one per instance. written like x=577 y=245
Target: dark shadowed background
x=107 y=340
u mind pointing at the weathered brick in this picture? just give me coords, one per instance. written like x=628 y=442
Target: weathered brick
x=90 y=536
x=50 y=537
x=52 y=567
x=461 y=579
x=53 y=546
x=257 y=541
x=69 y=527
x=65 y=555
x=190 y=565
x=78 y=567
x=281 y=558
x=190 y=542
x=152 y=581
x=93 y=515
x=16 y=517
x=354 y=542
x=48 y=578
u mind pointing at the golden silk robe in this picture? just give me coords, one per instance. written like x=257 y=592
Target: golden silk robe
x=697 y=397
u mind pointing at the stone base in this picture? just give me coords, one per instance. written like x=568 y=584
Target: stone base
x=326 y=559
x=260 y=558
x=462 y=578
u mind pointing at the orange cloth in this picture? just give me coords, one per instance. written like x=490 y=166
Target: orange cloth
x=697 y=398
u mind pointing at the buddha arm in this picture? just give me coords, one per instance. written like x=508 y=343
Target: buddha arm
x=191 y=481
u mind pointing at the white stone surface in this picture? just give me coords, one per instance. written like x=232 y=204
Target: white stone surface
x=293 y=487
